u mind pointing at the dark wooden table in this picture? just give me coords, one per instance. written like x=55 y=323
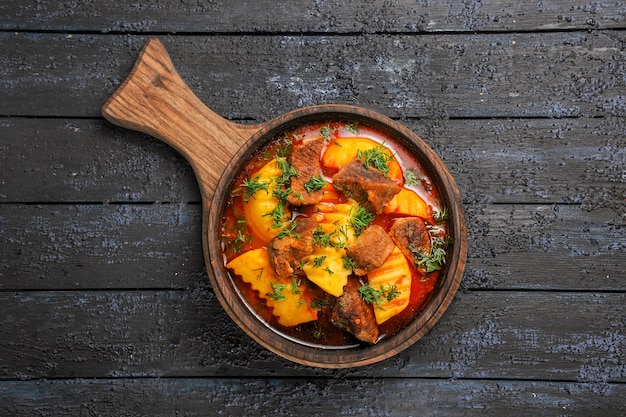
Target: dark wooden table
x=105 y=307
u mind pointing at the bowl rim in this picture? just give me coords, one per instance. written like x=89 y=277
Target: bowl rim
x=435 y=306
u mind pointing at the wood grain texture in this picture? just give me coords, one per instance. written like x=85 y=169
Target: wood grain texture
x=394 y=397
x=524 y=247
x=565 y=336
x=337 y=16
x=101 y=246
x=523 y=100
x=259 y=77
x=154 y=99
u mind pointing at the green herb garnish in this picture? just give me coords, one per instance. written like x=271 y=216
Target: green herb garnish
x=277 y=293
x=258 y=277
x=325 y=132
x=287 y=170
x=294 y=285
x=241 y=237
x=316 y=183
x=318 y=303
x=360 y=220
x=251 y=186
x=281 y=194
x=284 y=149
x=375 y=296
x=277 y=215
x=318 y=261
x=352 y=127
x=320 y=238
x=410 y=177
x=440 y=216
x=348 y=262
x=377 y=157
x=434 y=260
x=288 y=231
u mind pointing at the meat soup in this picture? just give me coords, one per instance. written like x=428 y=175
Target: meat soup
x=334 y=235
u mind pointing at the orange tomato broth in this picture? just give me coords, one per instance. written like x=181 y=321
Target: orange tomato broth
x=321 y=331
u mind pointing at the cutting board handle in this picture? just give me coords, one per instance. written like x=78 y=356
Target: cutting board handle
x=155 y=100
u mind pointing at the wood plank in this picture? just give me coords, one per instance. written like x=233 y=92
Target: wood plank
x=87 y=161
x=493 y=160
x=534 y=247
x=545 y=247
x=101 y=246
x=318 y=396
x=573 y=161
x=574 y=337
x=335 y=16
x=563 y=74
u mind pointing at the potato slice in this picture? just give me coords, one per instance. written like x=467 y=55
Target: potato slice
x=261 y=203
x=394 y=273
x=341 y=151
x=409 y=203
x=325 y=268
x=289 y=304
x=335 y=220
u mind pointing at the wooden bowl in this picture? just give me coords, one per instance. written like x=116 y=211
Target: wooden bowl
x=155 y=100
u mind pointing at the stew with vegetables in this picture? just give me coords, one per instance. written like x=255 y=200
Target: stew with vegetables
x=334 y=235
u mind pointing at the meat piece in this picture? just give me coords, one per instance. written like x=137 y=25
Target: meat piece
x=305 y=159
x=286 y=252
x=410 y=234
x=371 y=249
x=369 y=187
x=350 y=313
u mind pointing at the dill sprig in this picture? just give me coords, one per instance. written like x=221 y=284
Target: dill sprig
x=316 y=183
x=277 y=291
x=352 y=127
x=378 y=157
x=360 y=220
x=288 y=231
x=348 y=262
x=379 y=295
x=252 y=185
x=436 y=259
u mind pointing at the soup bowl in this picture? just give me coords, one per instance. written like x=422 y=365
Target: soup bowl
x=155 y=100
